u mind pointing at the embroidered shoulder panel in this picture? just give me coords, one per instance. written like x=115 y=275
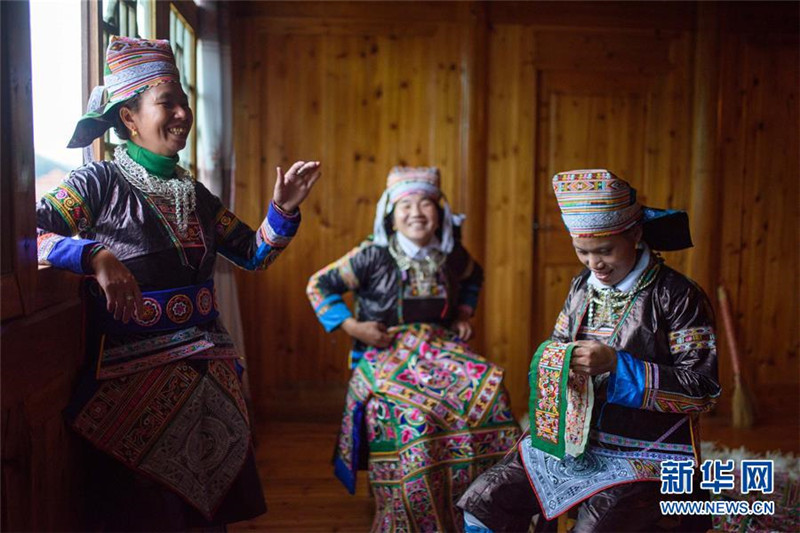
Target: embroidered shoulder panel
x=655 y=399
x=72 y=207
x=225 y=223
x=345 y=270
x=692 y=339
x=562 y=324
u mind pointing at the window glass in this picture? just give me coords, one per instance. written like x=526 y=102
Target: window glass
x=57 y=100
x=184 y=45
x=129 y=18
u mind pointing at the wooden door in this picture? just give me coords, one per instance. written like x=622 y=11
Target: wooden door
x=615 y=101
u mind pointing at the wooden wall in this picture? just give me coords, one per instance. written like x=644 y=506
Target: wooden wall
x=41 y=324
x=500 y=96
x=758 y=223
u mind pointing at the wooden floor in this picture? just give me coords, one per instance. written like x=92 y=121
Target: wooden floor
x=295 y=446
x=294 y=459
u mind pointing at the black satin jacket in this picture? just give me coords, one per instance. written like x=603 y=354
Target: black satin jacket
x=96 y=203
x=373 y=275
x=668 y=330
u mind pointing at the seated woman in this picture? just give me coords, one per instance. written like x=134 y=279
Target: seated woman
x=161 y=397
x=436 y=414
x=618 y=389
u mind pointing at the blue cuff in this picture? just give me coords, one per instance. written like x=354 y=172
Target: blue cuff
x=332 y=311
x=626 y=383
x=282 y=224
x=68 y=254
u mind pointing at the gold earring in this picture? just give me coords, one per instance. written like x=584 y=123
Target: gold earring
x=134 y=133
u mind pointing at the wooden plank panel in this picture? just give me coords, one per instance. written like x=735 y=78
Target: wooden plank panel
x=759 y=215
x=510 y=200
x=628 y=15
x=361 y=103
x=770 y=218
x=339 y=10
x=601 y=51
x=382 y=90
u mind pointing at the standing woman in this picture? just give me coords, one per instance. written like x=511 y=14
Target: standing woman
x=435 y=414
x=162 y=397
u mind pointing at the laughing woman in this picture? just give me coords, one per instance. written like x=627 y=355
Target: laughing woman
x=435 y=414
x=162 y=397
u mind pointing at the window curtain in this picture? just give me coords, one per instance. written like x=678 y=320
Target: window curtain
x=215 y=157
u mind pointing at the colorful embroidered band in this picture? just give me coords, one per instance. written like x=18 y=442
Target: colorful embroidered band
x=595 y=203
x=403 y=181
x=560 y=403
x=165 y=310
x=132 y=67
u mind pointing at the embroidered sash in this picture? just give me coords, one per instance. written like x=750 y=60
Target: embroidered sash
x=560 y=404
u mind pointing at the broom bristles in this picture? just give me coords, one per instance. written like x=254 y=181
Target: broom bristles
x=741 y=405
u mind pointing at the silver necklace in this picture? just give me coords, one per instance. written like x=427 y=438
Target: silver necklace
x=179 y=190
x=424 y=272
x=607 y=305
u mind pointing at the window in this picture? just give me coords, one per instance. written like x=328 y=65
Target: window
x=184 y=44
x=57 y=100
x=55 y=49
x=129 y=18
x=147 y=19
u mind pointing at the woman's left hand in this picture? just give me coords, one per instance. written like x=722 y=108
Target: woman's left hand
x=593 y=358
x=463 y=328
x=293 y=187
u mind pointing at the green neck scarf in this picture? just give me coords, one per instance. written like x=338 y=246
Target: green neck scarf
x=160 y=166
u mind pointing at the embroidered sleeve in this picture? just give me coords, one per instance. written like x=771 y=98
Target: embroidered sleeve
x=69 y=210
x=73 y=209
x=325 y=288
x=690 y=383
x=255 y=250
x=562 y=325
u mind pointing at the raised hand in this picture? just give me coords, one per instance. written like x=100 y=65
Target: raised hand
x=592 y=358
x=293 y=187
x=122 y=292
x=370 y=333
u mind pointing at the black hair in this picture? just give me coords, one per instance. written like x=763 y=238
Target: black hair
x=116 y=121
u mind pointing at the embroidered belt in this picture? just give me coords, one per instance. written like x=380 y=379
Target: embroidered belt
x=170 y=309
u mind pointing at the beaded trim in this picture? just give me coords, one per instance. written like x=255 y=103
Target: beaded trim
x=423 y=273
x=606 y=306
x=180 y=190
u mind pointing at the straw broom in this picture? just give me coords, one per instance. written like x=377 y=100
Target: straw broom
x=741 y=405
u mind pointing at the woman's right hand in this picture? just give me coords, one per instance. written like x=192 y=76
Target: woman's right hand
x=370 y=333
x=120 y=287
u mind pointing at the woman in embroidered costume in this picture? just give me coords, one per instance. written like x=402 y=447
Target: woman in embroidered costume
x=619 y=387
x=436 y=413
x=162 y=398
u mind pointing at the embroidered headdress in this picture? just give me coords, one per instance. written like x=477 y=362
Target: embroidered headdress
x=132 y=67
x=403 y=181
x=596 y=203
